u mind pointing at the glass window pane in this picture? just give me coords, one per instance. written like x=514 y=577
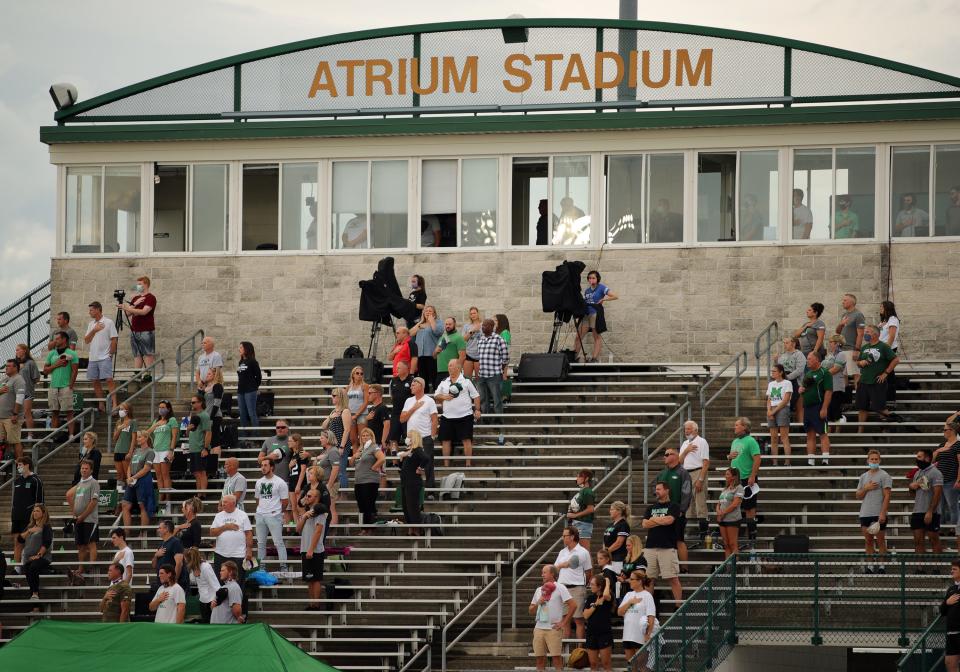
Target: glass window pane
x=83 y=209
x=759 y=193
x=349 y=205
x=716 y=182
x=812 y=194
x=479 y=195
x=121 y=209
x=261 y=194
x=530 y=208
x=665 y=198
x=947 y=189
x=571 y=200
x=170 y=209
x=910 y=191
x=209 y=217
x=388 y=204
x=438 y=204
x=624 y=187
x=855 y=185
x=298 y=222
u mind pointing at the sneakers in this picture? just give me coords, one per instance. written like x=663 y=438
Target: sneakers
x=283 y=569
x=811 y=461
x=826 y=458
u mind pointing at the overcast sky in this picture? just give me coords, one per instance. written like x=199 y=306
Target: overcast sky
x=101 y=45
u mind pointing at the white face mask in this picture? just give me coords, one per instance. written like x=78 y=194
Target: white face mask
x=689 y=436
x=122 y=413
x=367 y=444
x=406 y=441
x=138 y=287
x=20 y=469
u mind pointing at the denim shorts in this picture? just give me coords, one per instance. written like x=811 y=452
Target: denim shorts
x=102 y=370
x=585 y=529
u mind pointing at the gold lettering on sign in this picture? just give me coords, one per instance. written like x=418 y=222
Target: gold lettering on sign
x=526 y=79
x=665 y=73
x=415 y=76
x=704 y=66
x=548 y=60
x=599 y=81
x=386 y=67
x=570 y=77
x=323 y=81
x=460 y=81
x=350 y=66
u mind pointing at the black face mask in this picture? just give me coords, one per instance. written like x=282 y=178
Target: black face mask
x=922 y=464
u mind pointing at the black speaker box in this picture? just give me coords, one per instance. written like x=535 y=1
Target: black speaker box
x=791 y=543
x=550 y=366
x=372 y=370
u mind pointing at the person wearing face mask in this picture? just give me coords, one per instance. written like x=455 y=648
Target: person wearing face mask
x=418 y=297
x=404 y=350
x=927 y=486
x=873 y=491
x=876 y=361
x=27 y=492
x=163 y=431
x=451 y=346
x=946 y=459
x=90 y=452
x=836 y=363
x=141 y=310
x=124 y=436
x=367 y=460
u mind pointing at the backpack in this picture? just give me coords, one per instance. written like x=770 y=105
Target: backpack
x=353 y=352
x=433 y=520
x=452 y=485
x=338 y=589
x=579 y=659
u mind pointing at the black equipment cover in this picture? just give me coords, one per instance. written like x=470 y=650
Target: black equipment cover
x=560 y=290
x=380 y=298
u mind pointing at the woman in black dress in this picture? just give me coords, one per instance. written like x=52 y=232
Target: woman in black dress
x=412 y=462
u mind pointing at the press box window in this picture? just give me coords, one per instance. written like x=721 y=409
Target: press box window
x=369 y=205
x=737 y=196
x=834 y=193
x=551 y=200
x=915 y=212
x=458 y=203
x=645 y=198
x=102 y=209
x=190 y=208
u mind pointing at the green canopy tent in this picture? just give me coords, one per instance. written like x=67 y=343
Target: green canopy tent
x=154 y=647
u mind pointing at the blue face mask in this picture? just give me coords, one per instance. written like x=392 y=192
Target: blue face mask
x=873 y=465
x=867 y=338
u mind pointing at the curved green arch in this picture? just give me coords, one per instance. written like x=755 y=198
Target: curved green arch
x=179 y=75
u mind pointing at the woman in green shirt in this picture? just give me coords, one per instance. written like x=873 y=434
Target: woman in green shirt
x=124 y=436
x=164 y=431
x=502 y=326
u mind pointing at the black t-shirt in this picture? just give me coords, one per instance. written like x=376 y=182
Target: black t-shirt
x=399 y=393
x=417 y=297
x=610 y=576
x=599 y=621
x=415 y=460
x=190 y=537
x=94 y=456
x=629 y=567
x=380 y=415
x=618 y=529
x=171 y=547
x=662 y=536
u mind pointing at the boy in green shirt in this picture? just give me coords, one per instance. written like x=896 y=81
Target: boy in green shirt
x=745 y=457
x=876 y=361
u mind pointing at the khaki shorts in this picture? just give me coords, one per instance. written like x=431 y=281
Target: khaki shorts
x=698 y=503
x=334 y=490
x=60 y=399
x=547 y=642
x=10 y=430
x=662 y=563
x=852 y=357
x=579 y=594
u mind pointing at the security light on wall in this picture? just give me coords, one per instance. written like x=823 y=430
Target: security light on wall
x=63 y=94
x=515 y=34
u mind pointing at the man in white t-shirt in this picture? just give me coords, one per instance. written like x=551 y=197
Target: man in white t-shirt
x=695 y=457
x=461 y=407
x=420 y=414
x=124 y=554
x=552 y=611
x=170 y=603
x=802 y=217
x=102 y=338
x=575 y=567
x=234 y=535
x=272 y=495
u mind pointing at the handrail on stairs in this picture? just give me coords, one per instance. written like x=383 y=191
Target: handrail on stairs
x=138 y=377
x=772 y=336
x=740 y=362
x=194 y=349
x=444 y=647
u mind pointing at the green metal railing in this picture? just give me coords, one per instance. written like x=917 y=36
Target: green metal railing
x=770 y=337
x=926 y=655
x=26 y=320
x=195 y=340
x=740 y=362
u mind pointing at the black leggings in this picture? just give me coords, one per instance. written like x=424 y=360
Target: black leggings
x=366 y=496
x=411 y=500
x=427 y=369
x=33 y=569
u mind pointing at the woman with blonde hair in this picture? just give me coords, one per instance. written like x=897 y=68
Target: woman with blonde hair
x=357 y=402
x=615 y=536
x=426 y=333
x=139 y=490
x=88 y=451
x=367 y=459
x=339 y=422
x=412 y=462
x=124 y=437
x=207 y=582
x=37 y=540
x=329 y=462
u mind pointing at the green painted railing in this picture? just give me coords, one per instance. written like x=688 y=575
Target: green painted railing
x=926 y=655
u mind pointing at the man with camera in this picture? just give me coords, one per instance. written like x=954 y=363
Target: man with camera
x=457 y=393
x=101 y=336
x=140 y=311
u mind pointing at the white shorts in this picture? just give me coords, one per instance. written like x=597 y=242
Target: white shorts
x=160 y=456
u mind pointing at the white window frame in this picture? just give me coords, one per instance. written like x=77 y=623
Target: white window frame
x=932 y=147
x=411 y=210
x=62 y=182
x=231 y=243
x=418 y=199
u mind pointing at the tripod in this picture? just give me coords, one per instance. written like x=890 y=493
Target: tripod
x=120 y=318
x=555 y=335
x=375 y=328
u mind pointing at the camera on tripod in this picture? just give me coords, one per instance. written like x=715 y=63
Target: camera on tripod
x=119 y=295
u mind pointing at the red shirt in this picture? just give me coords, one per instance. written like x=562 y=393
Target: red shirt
x=403 y=353
x=143 y=322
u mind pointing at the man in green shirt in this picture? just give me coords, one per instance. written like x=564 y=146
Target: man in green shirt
x=678 y=481
x=816 y=389
x=450 y=346
x=745 y=457
x=198 y=440
x=61 y=365
x=115 y=605
x=876 y=361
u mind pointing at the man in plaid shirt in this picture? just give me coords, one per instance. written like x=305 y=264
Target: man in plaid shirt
x=494 y=355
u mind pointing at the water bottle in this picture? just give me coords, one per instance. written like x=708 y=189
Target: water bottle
x=184 y=423
x=708 y=542
x=716 y=539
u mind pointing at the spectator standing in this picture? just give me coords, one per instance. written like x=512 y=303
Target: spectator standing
x=927 y=486
x=199 y=438
x=911 y=221
x=339 y=422
x=249 y=379
x=88 y=451
x=581 y=507
x=471 y=334
x=779 y=395
x=233 y=534
x=163 y=433
x=297 y=468
x=890 y=334
x=802 y=217
x=597 y=610
x=615 y=536
x=272 y=498
x=811 y=333
x=413 y=461
x=228 y=600
x=640 y=623
x=633 y=562
x=949 y=608
x=426 y=333
x=357 y=402
x=143 y=336
x=816 y=389
x=170 y=553
x=728 y=511
x=84 y=502
x=450 y=346
x=502 y=327
x=329 y=461
x=101 y=337
x=170 y=601
x=209 y=370
x=461 y=408
x=124 y=554
x=744 y=456
x=62 y=322
x=873 y=491
x=31 y=376
x=596 y=294
x=946 y=459
x=12 y=396
x=404 y=350
x=27 y=493
x=36 y=540
x=277 y=449
x=695 y=458
x=115 y=604
x=378 y=415
x=876 y=362
x=418 y=297
x=611 y=587
x=552 y=607
x=680 y=485
x=420 y=414
x=61 y=364
x=836 y=364
x=367 y=460
x=189 y=529
x=661 y=523
x=312 y=528
x=794 y=364
x=139 y=491
x=235 y=482
x=399 y=393
x=206 y=578
x=575 y=567
x=124 y=438
x=493 y=355
x=851 y=327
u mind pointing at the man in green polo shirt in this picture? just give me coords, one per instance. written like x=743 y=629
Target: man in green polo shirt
x=745 y=457
x=450 y=346
x=201 y=433
x=61 y=365
x=816 y=389
x=876 y=361
x=678 y=481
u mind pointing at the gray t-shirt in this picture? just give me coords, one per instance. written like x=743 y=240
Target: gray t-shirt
x=281 y=467
x=793 y=364
x=927 y=478
x=855 y=320
x=222 y=614
x=71 y=336
x=138 y=459
x=234 y=484
x=206 y=362
x=14 y=395
x=329 y=459
x=840 y=377
x=726 y=499
x=873 y=501
x=30 y=374
x=306 y=533
x=808 y=338
x=88 y=490
x=363 y=467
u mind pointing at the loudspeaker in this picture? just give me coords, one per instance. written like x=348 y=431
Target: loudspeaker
x=791 y=543
x=372 y=370
x=550 y=366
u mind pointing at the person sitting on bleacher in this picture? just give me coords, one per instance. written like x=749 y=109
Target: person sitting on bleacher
x=115 y=604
